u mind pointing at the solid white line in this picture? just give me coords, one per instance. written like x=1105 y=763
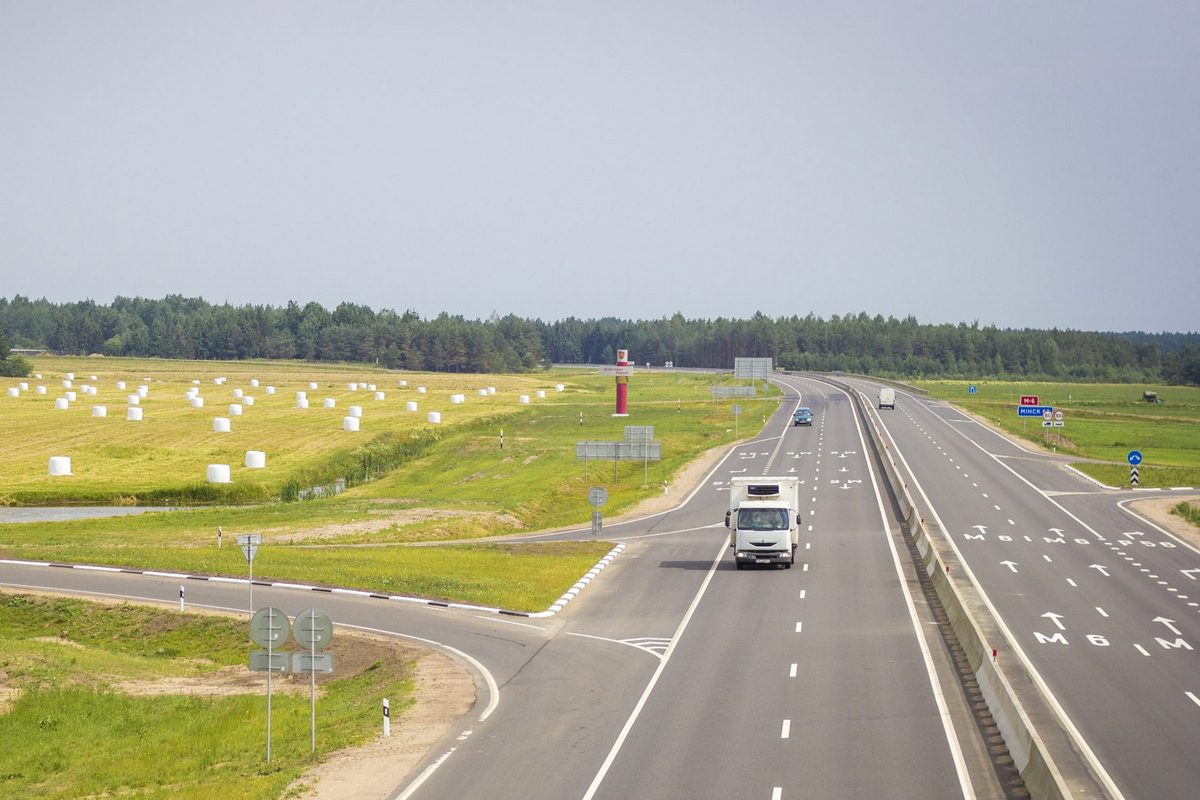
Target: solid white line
x=787 y=729
x=777 y=793
x=662 y=665
x=1103 y=613
x=799 y=626
x=509 y=622
x=1060 y=712
x=1195 y=699
x=424 y=776
x=1071 y=582
x=803 y=593
x=792 y=671
x=1142 y=650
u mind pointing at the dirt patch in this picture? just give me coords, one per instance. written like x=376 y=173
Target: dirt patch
x=1158 y=511
x=528 y=460
x=684 y=482
x=443 y=693
x=396 y=519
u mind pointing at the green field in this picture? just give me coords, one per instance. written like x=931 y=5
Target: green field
x=459 y=485
x=86 y=731
x=1102 y=422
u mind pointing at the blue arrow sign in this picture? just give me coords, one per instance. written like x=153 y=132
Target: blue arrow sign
x=1134 y=457
x=970 y=390
x=1033 y=411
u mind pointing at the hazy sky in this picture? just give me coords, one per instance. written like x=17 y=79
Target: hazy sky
x=1029 y=163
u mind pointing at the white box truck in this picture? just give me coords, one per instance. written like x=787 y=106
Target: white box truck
x=887 y=398
x=764 y=520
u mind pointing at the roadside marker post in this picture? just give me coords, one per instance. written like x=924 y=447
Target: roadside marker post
x=387 y=718
x=181 y=598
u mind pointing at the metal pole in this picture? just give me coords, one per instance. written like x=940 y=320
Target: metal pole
x=312 y=688
x=270 y=665
x=251 y=583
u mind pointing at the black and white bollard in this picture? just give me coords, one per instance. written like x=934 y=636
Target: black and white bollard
x=387 y=718
x=181 y=598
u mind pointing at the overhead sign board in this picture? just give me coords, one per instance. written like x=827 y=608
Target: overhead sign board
x=1029 y=400
x=752 y=368
x=1034 y=411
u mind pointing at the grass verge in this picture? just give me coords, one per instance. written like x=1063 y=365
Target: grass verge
x=84 y=733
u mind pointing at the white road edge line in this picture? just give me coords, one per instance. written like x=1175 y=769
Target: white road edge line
x=960 y=764
x=1081 y=743
x=662 y=665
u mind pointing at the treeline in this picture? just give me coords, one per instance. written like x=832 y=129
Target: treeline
x=179 y=327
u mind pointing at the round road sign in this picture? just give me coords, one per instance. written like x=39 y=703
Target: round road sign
x=313 y=628
x=597 y=496
x=1058 y=415
x=1134 y=457
x=269 y=627
x=1047 y=414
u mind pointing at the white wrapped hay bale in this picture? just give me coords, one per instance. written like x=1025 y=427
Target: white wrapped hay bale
x=457 y=399
x=197 y=402
x=13 y=391
x=40 y=390
x=371 y=387
x=70 y=376
x=61 y=403
x=99 y=411
x=196 y=381
x=380 y=395
x=330 y=402
x=60 y=465
x=301 y=402
x=270 y=390
x=491 y=390
x=256 y=459
x=134 y=414
x=435 y=417
x=354 y=411
x=190 y=393
x=67 y=383
x=23 y=386
x=254 y=385
x=218 y=473
x=91 y=390
x=143 y=390
x=120 y=386
x=420 y=390
x=133 y=399
x=541 y=394
x=91 y=377
x=37 y=376
x=403 y=384
x=235 y=409
x=312 y=384
x=352 y=387
x=218 y=381
x=70 y=396
x=221 y=425
x=248 y=400
x=411 y=405
x=482 y=392
x=523 y=399
x=238 y=393
x=350 y=423
x=558 y=387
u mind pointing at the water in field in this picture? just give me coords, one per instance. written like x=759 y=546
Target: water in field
x=65 y=513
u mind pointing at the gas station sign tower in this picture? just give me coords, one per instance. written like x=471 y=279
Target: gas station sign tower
x=624 y=368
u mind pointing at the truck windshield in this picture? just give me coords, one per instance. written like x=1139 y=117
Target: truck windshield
x=762 y=519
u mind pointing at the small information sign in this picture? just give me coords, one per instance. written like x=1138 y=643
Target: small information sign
x=305 y=662
x=1030 y=400
x=259 y=662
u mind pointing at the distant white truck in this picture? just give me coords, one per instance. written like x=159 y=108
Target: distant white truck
x=764 y=520
x=887 y=398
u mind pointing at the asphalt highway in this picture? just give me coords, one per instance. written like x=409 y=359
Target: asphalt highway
x=673 y=674
x=1101 y=604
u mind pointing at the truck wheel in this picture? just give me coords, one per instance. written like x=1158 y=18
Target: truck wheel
x=788 y=565
x=740 y=565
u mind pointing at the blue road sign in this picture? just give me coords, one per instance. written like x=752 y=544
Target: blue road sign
x=1134 y=457
x=970 y=390
x=1033 y=411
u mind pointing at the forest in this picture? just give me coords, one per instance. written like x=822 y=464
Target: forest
x=192 y=328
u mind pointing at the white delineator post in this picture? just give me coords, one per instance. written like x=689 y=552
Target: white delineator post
x=181 y=597
x=387 y=718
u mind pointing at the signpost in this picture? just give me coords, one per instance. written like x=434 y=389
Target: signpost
x=250 y=544
x=597 y=496
x=737 y=410
x=314 y=630
x=971 y=389
x=267 y=627
x=1134 y=458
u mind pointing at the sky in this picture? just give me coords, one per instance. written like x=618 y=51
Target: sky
x=1021 y=164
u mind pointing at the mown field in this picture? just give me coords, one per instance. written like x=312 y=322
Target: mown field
x=80 y=699
x=1102 y=422
x=460 y=485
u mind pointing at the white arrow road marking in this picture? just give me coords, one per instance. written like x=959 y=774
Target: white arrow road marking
x=1195 y=699
x=1169 y=624
x=1191 y=573
x=1103 y=570
x=1012 y=565
x=1055 y=619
